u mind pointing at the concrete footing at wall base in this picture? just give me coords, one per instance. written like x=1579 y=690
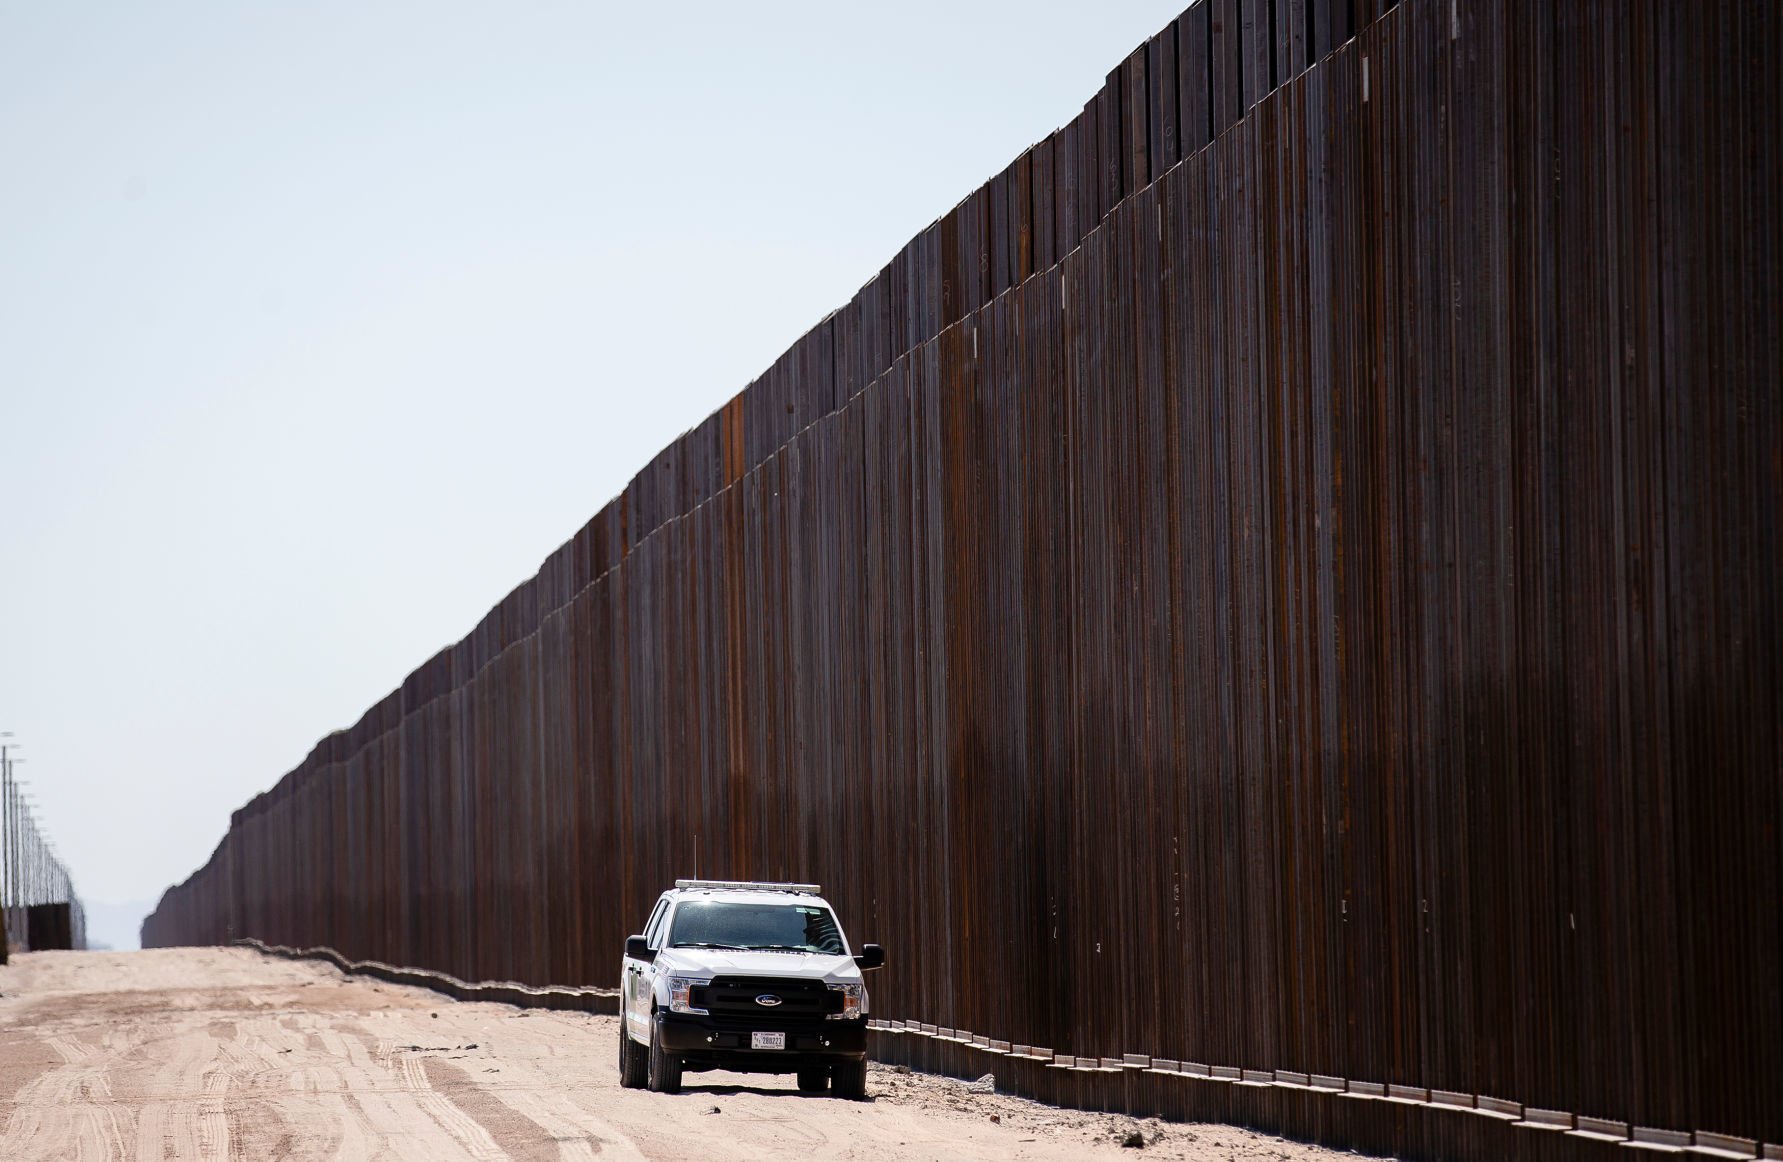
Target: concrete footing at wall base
x=1295 y=1108
x=585 y=1000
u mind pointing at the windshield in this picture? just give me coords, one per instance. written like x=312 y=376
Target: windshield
x=776 y=927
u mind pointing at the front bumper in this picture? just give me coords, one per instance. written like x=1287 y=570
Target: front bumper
x=704 y=1042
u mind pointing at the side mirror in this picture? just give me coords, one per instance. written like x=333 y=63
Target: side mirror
x=871 y=956
x=636 y=949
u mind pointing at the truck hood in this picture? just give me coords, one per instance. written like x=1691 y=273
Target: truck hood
x=710 y=962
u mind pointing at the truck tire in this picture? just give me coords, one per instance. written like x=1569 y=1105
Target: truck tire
x=664 y=1072
x=634 y=1060
x=848 y=1079
x=814 y=1080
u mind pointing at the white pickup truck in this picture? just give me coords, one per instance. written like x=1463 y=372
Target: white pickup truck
x=749 y=977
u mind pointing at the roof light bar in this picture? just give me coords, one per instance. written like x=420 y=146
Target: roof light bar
x=749 y=886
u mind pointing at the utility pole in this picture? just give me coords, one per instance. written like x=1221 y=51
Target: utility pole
x=8 y=846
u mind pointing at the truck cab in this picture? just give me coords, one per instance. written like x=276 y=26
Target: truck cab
x=749 y=977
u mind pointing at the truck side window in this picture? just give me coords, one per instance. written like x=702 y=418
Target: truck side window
x=653 y=930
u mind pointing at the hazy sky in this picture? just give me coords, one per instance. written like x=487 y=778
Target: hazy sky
x=322 y=324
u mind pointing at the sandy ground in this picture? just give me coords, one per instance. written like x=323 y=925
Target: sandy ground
x=225 y=1054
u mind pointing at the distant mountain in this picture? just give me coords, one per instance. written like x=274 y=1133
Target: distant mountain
x=116 y=925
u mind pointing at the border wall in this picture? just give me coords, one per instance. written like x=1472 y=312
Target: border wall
x=1268 y=607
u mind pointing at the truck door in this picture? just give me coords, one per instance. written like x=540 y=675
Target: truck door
x=636 y=987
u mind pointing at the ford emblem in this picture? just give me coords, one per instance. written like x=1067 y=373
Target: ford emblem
x=768 y=999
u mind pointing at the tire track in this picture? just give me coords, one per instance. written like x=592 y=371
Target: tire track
x=387 y=1106
x=72 y=1101
x=464 y=1129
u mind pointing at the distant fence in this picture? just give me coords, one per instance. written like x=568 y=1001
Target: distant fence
x=39 y=909
x=1281 y=583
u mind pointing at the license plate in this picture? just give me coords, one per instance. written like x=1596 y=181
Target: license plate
x=767 y=1040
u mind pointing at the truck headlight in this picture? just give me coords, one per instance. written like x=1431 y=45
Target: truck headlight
x=854 y=1001
x=681 y=994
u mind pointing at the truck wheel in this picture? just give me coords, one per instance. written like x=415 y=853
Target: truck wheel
x=849 y=1079
x=665 y=1067
x=634 y=1060
x=814 y=1080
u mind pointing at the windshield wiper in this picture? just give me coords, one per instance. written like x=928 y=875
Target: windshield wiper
x=782 y=948
x=711 y=944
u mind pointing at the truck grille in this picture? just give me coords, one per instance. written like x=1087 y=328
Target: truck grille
x=733 y=996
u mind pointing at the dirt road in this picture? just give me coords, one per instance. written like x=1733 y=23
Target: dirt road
x=213 y=1054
